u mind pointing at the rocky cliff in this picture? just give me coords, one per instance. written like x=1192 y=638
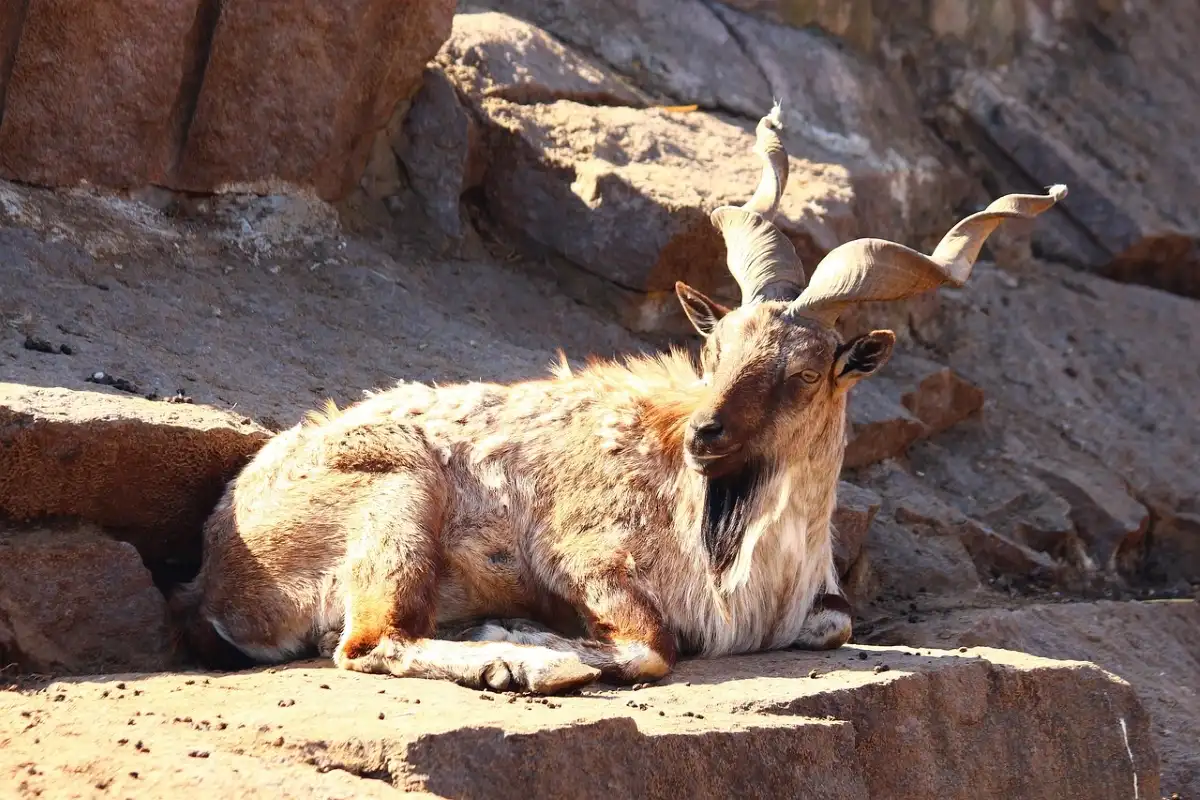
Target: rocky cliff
x=215 y=215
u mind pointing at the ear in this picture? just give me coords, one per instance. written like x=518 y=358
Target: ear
x=861 y=357
x=704 y=312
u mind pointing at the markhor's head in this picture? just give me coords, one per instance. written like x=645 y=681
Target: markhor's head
x=775 y=362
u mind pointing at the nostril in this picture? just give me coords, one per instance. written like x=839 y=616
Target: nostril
x=708 y=427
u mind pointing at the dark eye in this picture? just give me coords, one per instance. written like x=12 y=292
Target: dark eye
x=807 y=375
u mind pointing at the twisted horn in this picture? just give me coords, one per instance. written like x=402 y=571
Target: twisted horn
x=875 y=269
x=761 y=259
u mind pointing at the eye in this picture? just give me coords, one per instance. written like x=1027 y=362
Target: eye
x=808 y=375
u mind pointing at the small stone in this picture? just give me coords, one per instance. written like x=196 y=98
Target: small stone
x=814 y=674
x=38 y=345
x=381 y=715
x=286 y=703
x=198 y=754
x=881 y=668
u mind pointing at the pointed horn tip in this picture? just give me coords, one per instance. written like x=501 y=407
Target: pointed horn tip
x=774 y=118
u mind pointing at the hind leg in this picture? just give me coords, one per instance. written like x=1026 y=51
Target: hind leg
x=391 y=580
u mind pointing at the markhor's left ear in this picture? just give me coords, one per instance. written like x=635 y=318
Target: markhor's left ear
x=703 y=311
x=861 y=357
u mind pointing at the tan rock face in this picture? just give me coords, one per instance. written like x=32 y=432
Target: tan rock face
x=325 y=88
x=149 y=472
x=61 y=125
x=75 y=602
x=203 y=96
x=936 y=723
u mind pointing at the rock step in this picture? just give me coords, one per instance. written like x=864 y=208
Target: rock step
x=1155 y=645
x=979 y=723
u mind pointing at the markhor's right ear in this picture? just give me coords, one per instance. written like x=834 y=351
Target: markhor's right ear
x=704 y=312
x=861 y=357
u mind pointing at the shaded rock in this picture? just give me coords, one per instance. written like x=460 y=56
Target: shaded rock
x=441 y=148
x=912 y=504
x=879 y=428
x=1074 y=371
x=941 y=724
x=76 y=602
x=325 y=79
x=496 y=55
x=1131 y=165
x=856 y=507
x=61 y=125
x=996 y=555
x=1110 y=522
x=859 y=582
x=1174 y=548
x=148 y=472
x=1153 y=645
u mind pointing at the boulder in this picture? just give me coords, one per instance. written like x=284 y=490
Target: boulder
x=75 y=602
x=678 y=49
x=625 y=193
x=1152 y=645
x=148 y=472
x=489 y=54
x=324 y=78
x=859 y=722
x=61 y=125
x=204 y=96
x=616 y=190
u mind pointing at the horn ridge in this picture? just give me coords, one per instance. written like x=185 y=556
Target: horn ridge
x=760 y=257
x=865 y=270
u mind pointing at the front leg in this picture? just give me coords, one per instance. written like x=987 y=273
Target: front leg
x=828 y=625
x=629 y=643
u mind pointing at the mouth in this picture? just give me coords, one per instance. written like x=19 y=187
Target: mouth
x=708 y=464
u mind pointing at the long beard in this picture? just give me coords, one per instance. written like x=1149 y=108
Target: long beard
x=728 y=504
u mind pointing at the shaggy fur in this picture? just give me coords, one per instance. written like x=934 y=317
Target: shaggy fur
x=563 y=501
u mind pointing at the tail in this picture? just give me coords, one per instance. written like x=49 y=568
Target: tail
x=193 y=636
